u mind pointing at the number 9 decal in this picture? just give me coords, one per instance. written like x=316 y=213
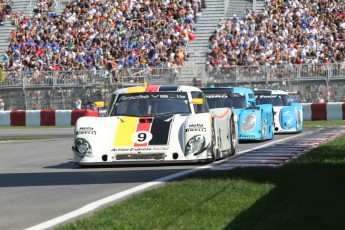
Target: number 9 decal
x=141 y=137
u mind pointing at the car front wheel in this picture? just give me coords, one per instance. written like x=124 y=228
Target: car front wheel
x=233 y=137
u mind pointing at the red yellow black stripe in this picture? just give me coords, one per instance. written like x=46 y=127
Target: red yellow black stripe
x=143 y=125
x=161 y=127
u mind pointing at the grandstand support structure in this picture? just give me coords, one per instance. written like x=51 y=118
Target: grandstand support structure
x=19 y=6
x=5 y=37
x=238 y=7
x=206 y=24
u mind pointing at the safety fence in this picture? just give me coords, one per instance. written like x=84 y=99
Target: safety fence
x=52 y=79
x=43 y=117
x=267 y=74
x=57 y=89
x=311 y=112
x=210 y=75
x=323 y=111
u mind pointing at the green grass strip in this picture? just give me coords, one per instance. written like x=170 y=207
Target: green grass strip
x=24 y=138
x=307 y=193
x=311 y=124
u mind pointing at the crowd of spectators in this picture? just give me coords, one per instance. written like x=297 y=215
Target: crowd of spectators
x=106 y=34
x=101 y=34
x=5 y=10
x=286 y=31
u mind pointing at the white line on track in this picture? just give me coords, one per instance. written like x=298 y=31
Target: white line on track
x=97 y=204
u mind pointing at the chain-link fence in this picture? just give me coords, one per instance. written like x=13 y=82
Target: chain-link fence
x=57 y=90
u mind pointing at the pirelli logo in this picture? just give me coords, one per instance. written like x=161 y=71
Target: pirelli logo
x=196 y=128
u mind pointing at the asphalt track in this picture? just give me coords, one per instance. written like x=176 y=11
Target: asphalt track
x=39 y=183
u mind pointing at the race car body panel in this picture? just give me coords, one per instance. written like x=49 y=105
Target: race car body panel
x=146 y=125
x=288 y=117
x=253 y=122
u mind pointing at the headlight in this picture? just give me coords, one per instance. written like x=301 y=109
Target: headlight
x=83 y=147
x=195 y=145
x=248 y=123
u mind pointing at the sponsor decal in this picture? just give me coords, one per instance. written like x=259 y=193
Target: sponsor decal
x=265 y=96
x=139 y=149
x=216 y=95
x=287 y=113
x=152 y=95
x=196 y=128
x=196 y=125
x=126 y=98
x=86 y=130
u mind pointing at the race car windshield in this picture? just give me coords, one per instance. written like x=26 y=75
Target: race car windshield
x=275 y=99
x=151 y=104
x=221 y=100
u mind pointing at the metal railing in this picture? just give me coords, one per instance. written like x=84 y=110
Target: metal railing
x=70 y=79
x=288 y=72
x=56 y=90
x=220 y=75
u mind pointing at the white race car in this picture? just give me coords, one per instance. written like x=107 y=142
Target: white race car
x=155 y=124
x=288 y=116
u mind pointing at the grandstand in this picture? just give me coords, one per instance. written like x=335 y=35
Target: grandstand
x=61 y=45
x=205 y=27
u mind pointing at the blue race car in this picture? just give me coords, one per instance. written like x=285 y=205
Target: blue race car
x=254 y=122
x=288 y=116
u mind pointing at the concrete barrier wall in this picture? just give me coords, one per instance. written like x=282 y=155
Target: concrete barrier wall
x=311 y=112
x=43 y=117
x=323 y=111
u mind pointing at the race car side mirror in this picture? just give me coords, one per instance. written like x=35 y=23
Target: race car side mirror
x=290 y=100
x=252 y=101
x=197 y=101
x=98 y=105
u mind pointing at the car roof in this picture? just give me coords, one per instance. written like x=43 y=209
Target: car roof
x=231 y=89
x=243 y=90
x=270 y=91
x=145 y=87
x=218 y=90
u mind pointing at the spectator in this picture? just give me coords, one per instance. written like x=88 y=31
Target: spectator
x=285 y=32
x=2 y=105
x=83 y=37
x=77 y=103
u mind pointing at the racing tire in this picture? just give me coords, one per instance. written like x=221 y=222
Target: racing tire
x=233 y=137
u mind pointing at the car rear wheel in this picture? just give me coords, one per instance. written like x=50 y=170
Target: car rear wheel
x=215 y=151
